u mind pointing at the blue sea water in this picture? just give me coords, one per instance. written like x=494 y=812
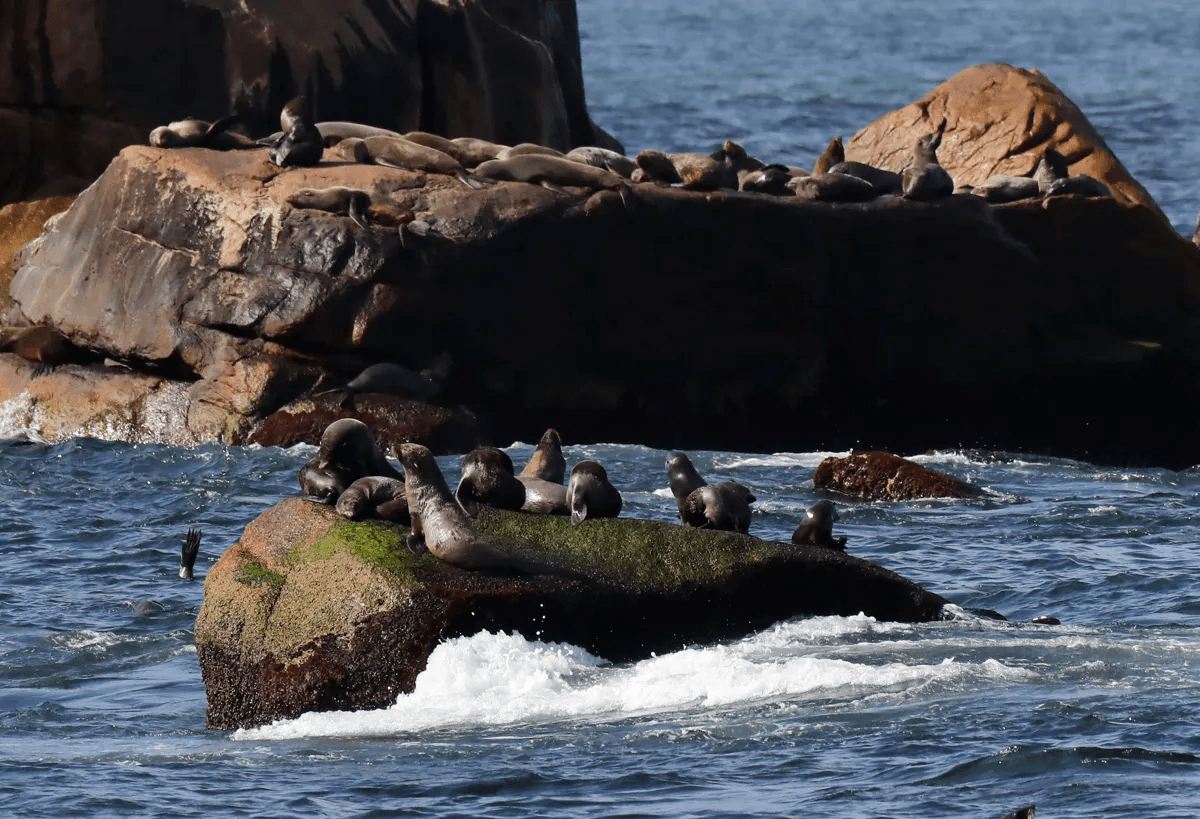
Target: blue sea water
x=101 y=702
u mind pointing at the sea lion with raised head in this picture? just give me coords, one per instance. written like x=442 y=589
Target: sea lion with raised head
x=487 y=478
x=389 y=378
x=1052 y=175
x=723 y=506
x=547 y=462
x=442 y=528
x=604 y=158
x=347 y=452
x=832 y=187
x=375 y=497
x=590 y=495
x=188 y=553
x=339 y=200
x=832 y=155
x=817 y=527
x=925 y=179
x=301 y=145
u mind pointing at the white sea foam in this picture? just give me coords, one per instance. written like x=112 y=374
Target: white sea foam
x=806 y=460
x=491 y=680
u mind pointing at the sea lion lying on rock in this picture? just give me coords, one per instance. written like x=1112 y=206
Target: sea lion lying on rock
x=375 y=497
x=487 y=478
x=590 y=495
x=348 y=452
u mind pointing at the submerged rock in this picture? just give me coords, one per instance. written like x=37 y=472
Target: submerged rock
x=311 y=612
x=884 y=476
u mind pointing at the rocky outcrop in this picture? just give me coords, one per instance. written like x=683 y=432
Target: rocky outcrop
x=998 y=120
x=81 y=80
x=310 y=612
x=882 y=476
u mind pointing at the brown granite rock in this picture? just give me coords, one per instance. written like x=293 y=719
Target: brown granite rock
x=998 y=120
x=81 y=80
x=884 y=476
x=311 y=612
x=22 y=222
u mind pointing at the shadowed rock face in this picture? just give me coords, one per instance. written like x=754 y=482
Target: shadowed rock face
x=311 y=612
x=884 y=476
x=81 y=80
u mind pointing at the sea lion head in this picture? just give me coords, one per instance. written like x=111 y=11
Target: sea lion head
x=682 y=476
x=487 y=477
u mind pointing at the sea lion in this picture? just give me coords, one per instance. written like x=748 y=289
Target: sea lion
x=544 y=497
x=478 y=150
x=551 y=172
x=199 y=133
x=389 y=378
x=44 y=346
x=528 y=149
x=817 y=527
x=1052 y=177
x=487 y=477
x=590 y=495
x=885 y=182
x=334 y=132
x=441 y=527
x=723 y=506
x=547 y=462
x=375 y=497
x=1196 y=235
x=301 y=145
x=348 y=452
x=924 y=179
x=832 y=155
x=833 y=187
x=398 y=152
x=716 y=170
x=188 y=553
x=1026 y=812
x=338 y=199
x=771 y=179
x=655 y=166
x=604 y=158
x=1000 y=189
x=464 y=156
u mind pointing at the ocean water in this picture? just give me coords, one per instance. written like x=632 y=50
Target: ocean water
x=101 y=702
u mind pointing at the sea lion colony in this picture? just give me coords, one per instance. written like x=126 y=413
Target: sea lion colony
x=478 y=163
x=350 y=472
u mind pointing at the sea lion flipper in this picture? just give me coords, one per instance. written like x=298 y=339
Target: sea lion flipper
x=187 y=557
x=474 y=182
x=416 y=544
x=357 y=213
x=578 y=513
x=218 y=127
x=559 y=189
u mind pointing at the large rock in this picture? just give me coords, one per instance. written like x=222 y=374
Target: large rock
x=83 y=79
x=884 y=476
x=998 y=120
x=310 y=612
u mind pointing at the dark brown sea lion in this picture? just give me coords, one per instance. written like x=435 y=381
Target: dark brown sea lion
x=656 y=166
x=338 y=199
x=832 y=155
x=833 y=187
x=772 y=179
x=604 y=158
x=348 y=452
x=547 y=462
x=884 y=182
x=590 y=495
x=389 y=378
x=924 y=179
x=375 y=497
x=301 y=145
x=1052 y=177
x=45 y=346
x=188 y=554
x=724 y=506
x=441 y=527
x=487 y=478
x=817 y=527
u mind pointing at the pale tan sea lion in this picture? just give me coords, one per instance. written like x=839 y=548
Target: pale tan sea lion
x=198 y=133
x=549 y=171
x=398 y=152
x=528 y=149
x=339 y=200
x=547 y=462
x=590 y=495
x=1001 y=188
x=1052 y=177
x=478 y=150
x=604 y=158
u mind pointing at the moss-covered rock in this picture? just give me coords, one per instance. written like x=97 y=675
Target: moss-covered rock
x=309 y=611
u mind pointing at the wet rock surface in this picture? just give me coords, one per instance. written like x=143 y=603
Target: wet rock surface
x=310 y=612
x=882 y=476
